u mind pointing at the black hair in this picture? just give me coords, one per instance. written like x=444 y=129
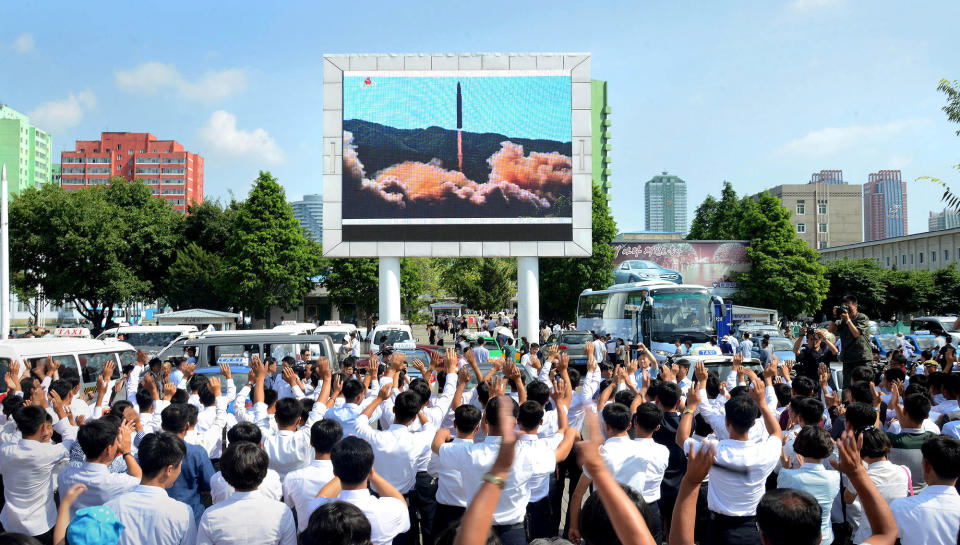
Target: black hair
x=529 y=415
x=29 y=418
x=270 y=396
x=739 y=391
x=713 y=385
x=700 y=426
x=192 y=412
x=466 y=418
x=653 y=388
x=595 y=525
x=352 y=460
x=915 y=388
x=862 y=373
x=876 y=444
x=180 y=397
x=538 y=391
x=95 y=436
x=894 y=374
x=951 y=384
x=324 y=434
x=625 y=397
x=407 y=406
x=574 y=378
x=617 y=416
x=158 y=451
x=207 y=399
x=861 y=391
x=144 y=399
x=920 y=380
x=803 y=386
x=492 y=412
x=337 y=523
x=174 y=418
x=27 y=384
x=813 y=442
x=669 y=395
x=244 y=465
x=421 y=387
x=783 y=393
x=288 y=412
x=917 y=407
x=942 y=452
x=11 y=403
x=120 y=406
x=245 y=431
x=649 y=416
x=860 y=415
x=196 y=381
x=850 y=299
x=807 y=409
x=62 y=387
x=351 y=389
x=306 y=405
x=786 y=516
x=742 y=412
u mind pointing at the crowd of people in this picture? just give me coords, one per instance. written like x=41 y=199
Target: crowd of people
x=627 y=450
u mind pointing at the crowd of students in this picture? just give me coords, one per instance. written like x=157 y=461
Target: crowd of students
x=406 y=453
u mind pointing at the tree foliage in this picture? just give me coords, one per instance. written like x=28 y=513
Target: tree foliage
x=97 y=248
x=269 y=260
x=195 y=280
x=952 y=109
x=354 y=284
x=891 y=294
x=717 y=220
x=482 y=284
x=563 y=279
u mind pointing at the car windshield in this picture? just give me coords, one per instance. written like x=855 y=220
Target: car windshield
x=642 y=265
x=490 y=344
x=925 y=342
x=947 y=324
x=393 y=336
x=576 y=338
x=337 y=337
x=887 y=343
x=781 y=345
x=151 y=342
x=682 y=315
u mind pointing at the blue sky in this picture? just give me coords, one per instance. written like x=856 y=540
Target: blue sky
x=758 y=93
x=519 y=107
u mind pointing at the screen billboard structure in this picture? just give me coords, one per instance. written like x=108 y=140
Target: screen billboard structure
x=713 y=264
x=465 y=155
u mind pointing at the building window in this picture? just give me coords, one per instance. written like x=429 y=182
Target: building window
x=118 y=147
x=921 y=257
x=933 y=256
x=801 y=208
x=946 y=255
x=911 y=259
x=823 y=244
x=801 y=227
x=903 y=259
x=888 y=261
x=823 y=227
x=821 y=207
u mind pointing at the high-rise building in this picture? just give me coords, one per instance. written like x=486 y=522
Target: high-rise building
x=25 y=149
x=946 y=219
x=834 y=177
x=600 y=129
x=824 y=214
x=884 y=206
x=55 y=174
x=170 y=171
x=310 y=213
x=665 y=204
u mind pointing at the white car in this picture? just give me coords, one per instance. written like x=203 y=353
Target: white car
x=337 y=331
x=394 y=333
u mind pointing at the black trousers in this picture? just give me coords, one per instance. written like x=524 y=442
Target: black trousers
x=656 y=523
x=539 y=519
x=568 y=469
x=422 y=506
x=726 y=530
x=511 y=534
x=446 y=517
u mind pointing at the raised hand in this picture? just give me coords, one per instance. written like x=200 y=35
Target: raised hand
x=757 y=392
x=107 y=371
x=118 y=385
x=189 y=370
x=699 y=463
x=289 y=377
x=56 y=401
x=507 y=429
x=169 y=389
x=848 y=448
x=323 y=367
x=214 y=386
x=385 y=392
x=463 y=376
x=700 y=371
x=225 y=371
x=418 y=365
x=693 y=398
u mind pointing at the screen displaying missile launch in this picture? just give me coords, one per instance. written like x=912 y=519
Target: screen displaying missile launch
x=459 y=151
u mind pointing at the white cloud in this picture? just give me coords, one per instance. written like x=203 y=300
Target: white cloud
x=24 y=43
x=900 y=162
x=151 y=78
x=833 y=139
x=809 y=5
x=58 y=115
x=222 y=136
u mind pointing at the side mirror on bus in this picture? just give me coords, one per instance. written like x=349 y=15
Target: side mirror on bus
x=717 y=300
x=649 y=301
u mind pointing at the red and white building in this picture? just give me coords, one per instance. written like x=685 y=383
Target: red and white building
x=169 y=170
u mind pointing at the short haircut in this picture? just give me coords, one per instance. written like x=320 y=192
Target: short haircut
x=62 y=387
x=668 y=395
x=144 y=399
x=942 y=452
x=351 y=389
x=860 y=415
x=466 y=418
x=742 y=412
x=804 y=386
x=174 y=418
x=352 y=460
x=493 y=412
x=324 y=434
x=422 y=387
x=789 y=517
x=158 y=451
x=538 y=391
x=917 y=407
x=245 y=431
x=574 y=378
x=862 y=373
x=739 y=391
x=288 y=411
x=270 y=396
x=244 y=465
x=11 y=403
x=192 y=412
x=893 y=374
x=407 y=405
x=876 y=444
x=207 y=399
x=807 y=409
x=783 y=393
x=29 y=419
x=337 y=523
x=180 y=396
x=712 y=385
x=596 y=527
x=649 y=416
x=617 y=416
x=529 y=415
x=813 y=442
x=196 y=381
x=850 y=299
x=95 y=436
x=861 y=391
x=625 y=397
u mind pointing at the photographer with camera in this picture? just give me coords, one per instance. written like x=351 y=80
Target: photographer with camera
x=853 y=330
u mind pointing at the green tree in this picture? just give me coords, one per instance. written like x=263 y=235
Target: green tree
x=209 y=225
x=946 y=288
x=701 y=228
x=98 y=248
x=717 y=220
x=863 y=278
x=269 y=260
x=563 y=279
x=353 y=285
x=195 y=280
x=952 y=109
x=411 y=286
x=785 y=272
x=907 y=292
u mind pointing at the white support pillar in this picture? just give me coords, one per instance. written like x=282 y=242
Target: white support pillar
x=528 y=298
x=389 y=289
x=4 y=257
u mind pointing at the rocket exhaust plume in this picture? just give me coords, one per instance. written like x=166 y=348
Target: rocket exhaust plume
x=459 y=127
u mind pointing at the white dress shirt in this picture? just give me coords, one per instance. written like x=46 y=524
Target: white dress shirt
x=9 y=433
x=540 y=484
x=102 y=485
x=476 y=459
x=388 y=516
x=583 y=398
x=27 y=467
x=951 y=429
x=926 y=425
x=348 y=413
x=714 y=412
x=290 y=450
x=247 y=518
x=932 y=517
x=215 y=418
x=271 y=487
x=891 y=481
x=948 y=406
x=149 y=515
x=450 y=490
x=396 y=450
x=626 y=463
x=739 y=473
x=300 y=487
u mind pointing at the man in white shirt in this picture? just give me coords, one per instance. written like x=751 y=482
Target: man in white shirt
x=246 y=515
x=271 y=487
x=289 y=448
x=746 y=347
x=355 y=400
x=299 y=485
x=933 y=515
x=599 y=348
x=27 y=467
x=451 y=496
x=530 y=421
x=102 y=441
x=352 y=460
x=146 y=512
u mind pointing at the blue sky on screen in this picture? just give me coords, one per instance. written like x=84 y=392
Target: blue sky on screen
x=518 y=107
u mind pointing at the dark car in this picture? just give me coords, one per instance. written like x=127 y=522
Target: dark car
x=639 y=270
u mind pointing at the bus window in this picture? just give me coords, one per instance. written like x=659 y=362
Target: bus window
x=4 y=368
x=591 y=306
x=127 y=357
x=92 y=364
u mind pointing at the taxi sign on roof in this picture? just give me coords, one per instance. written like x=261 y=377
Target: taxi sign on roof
x=288 y=322
x=405 y=346
x=71 y=332
x=921 y=332
x=332 y=322
x=232 y=359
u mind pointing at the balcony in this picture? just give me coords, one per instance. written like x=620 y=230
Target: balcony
x=98 y=160
x=148 y=160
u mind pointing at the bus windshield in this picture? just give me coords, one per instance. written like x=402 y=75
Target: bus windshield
x=681 y=315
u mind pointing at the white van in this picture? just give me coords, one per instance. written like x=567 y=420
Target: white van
x=394 y=333
x=297 y=328
x=149 y=338
x=337 y=331
x=86 y=356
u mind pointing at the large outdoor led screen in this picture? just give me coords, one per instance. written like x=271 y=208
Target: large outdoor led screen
x=441 y=155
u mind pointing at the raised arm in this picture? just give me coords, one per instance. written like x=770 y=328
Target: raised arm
x=684 y=516
x=874 y=506
x=769 y=416
x=685 y=428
